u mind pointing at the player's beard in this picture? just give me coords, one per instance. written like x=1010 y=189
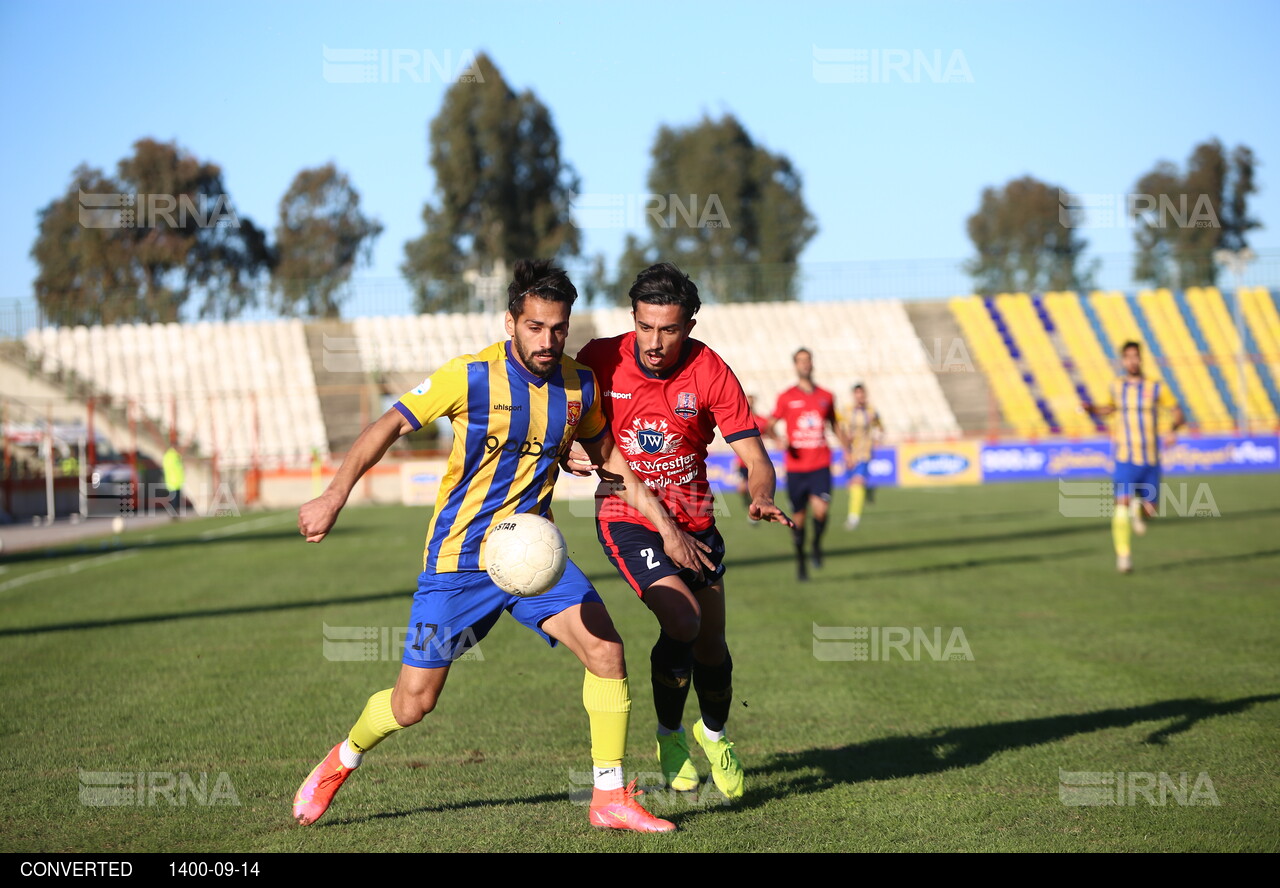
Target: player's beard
x=527 y=359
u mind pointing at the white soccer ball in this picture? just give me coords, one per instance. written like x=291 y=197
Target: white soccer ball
x=525 y=554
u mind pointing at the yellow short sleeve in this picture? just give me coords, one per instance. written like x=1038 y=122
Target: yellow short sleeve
x=443 y=393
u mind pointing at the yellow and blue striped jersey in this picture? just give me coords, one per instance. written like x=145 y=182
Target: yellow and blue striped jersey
x=858 y=424
x=1135 y=424
x=510 y=428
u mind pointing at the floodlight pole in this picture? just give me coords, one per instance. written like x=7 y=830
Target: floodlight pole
x=1236 y=261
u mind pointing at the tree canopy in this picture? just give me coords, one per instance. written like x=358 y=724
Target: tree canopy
x=1026 y=240
x=1181 y=217
x=140 y=245
x=320 y=238
x=502 y=189
x=725 y=209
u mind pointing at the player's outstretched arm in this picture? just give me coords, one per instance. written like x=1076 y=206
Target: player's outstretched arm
x=683 y=549
x=1179 y=420
x=762 y=480
x=316 y=518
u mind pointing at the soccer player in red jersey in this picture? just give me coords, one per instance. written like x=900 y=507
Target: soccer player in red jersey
x=665 y=395
x=807 y=410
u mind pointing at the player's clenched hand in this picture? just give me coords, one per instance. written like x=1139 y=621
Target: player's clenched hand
x=316 y=518
x=765 y=510
x=687 y=552
x=576 y=461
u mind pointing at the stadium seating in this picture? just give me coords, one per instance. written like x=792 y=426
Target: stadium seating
x=1209 y=313
x=1184 y=361
x=1032 y=339
x=246 y=389
x=1017 y=404
x=236 y=389
x=1263 y=327
x=1085 y=352
x=869 y=342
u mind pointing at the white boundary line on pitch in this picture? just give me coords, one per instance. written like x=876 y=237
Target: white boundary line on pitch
x=243 y=526
x=73 y=567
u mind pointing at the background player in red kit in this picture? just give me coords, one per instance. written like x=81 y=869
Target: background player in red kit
x=665 y=395
x=807 y=411
x=740 y=468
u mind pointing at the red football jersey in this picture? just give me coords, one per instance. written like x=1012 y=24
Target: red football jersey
x=806 y=415
x=664 y=424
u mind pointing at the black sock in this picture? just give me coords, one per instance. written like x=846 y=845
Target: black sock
x=714 y=685
x=797 y=537
x=672 y=664
x=819 y=525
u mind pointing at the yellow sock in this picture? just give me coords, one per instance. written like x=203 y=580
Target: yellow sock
x=376 y=723
x=608 y=705
x=857 y=496
x=1120 y=530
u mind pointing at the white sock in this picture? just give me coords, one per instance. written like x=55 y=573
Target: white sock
x=711 y=735
x=664 y=731
x=608 y=778
x=350 y=758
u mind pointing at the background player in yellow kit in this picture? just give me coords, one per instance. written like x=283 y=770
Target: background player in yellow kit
x=860 y=428
x=1136 y=402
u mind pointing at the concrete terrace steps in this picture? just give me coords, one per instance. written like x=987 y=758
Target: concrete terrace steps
x=966 y=388
x=341 y=383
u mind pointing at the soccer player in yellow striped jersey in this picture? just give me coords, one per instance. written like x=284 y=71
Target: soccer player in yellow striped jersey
x=515 y=407
x=1135 y=402
x=859 y=430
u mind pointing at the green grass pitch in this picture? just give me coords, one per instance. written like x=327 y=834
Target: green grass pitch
x=196 y=653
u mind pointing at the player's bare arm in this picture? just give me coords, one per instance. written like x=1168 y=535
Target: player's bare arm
x=683 y=549
x=1099 y=410
x=316 y=518
x=762 y=480
x=1179 y=420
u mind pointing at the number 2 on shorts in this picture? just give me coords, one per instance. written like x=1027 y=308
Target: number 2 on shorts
x=649 y=561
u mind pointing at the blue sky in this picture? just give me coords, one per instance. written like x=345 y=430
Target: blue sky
x=1081 y=94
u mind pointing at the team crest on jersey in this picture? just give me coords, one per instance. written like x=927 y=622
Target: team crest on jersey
x=687 y=405
x=573 y=412
x=648 y=437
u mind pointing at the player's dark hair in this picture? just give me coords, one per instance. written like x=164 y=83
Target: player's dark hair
x=664 y=284
x=542 y=279
x=801 y=351
x=1131 y=344
x=859 y=387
